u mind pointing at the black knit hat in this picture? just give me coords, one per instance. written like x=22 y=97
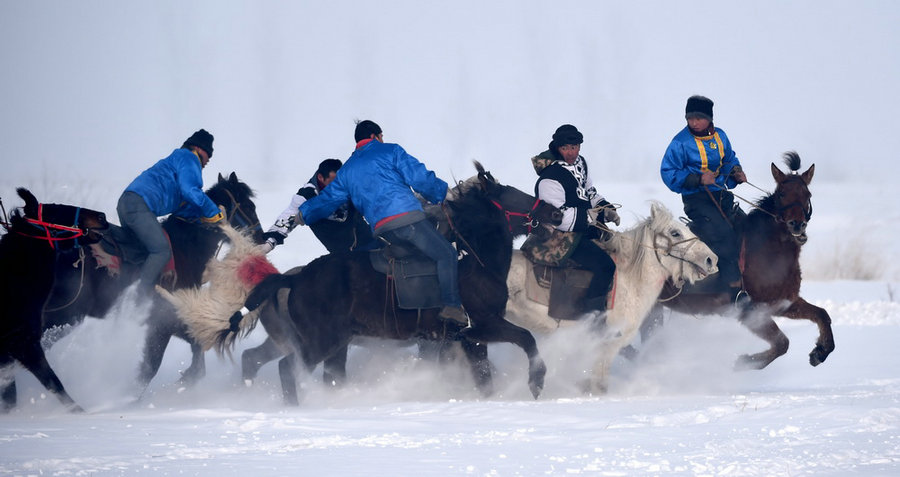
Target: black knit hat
x=699 y=107
x=565 y=134
x=201 y=139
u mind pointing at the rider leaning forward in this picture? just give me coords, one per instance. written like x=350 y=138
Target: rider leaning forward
x=379 y=179
x=700 y=165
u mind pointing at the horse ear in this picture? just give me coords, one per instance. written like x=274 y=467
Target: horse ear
x=233 y=178
x=777 y=174
x=31 y=202
x=808 y=175
x=221 y=178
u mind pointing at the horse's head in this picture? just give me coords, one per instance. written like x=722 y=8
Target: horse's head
x=237 y=199
x=685 y=257
x=791 y=200
x=523 y=211
x=63 y=226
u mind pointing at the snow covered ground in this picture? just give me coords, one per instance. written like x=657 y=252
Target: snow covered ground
x=679 y=409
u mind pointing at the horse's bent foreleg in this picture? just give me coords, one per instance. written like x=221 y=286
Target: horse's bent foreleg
x=499 y=330
x=254 y=358
x=477 y=354
x=334 y=368
x=825 y=343
x=760 y=322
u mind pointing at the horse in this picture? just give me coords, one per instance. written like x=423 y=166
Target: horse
x=27 y=262
x=772 y=235
x=89 y=285
x=338 y=296
x=656 y=249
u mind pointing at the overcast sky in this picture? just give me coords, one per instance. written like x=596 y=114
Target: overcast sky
x=96 y=91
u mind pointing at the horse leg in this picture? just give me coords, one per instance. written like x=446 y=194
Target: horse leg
x=825 y=344
x=287 y=368
x=334 y=368
x=480 y=365
x=197 y=370
x=155 y=344
x=758 y=319
x=34 y=360
x=498 y=330
x=8 y=398
x=254 y=358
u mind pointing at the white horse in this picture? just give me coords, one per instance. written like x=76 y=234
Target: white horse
x=657 y=249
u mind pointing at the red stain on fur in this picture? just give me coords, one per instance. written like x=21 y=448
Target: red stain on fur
x=254 y=269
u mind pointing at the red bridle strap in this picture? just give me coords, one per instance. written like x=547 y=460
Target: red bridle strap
x=50 y=228
x=509 y=214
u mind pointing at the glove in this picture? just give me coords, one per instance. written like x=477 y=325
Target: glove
x=273 y=239
x=610 y=215
x=215 y=219
x=738 y=173
x=299 y=218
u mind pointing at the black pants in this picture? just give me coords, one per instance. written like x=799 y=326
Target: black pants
x=591 y=257
x=715 y=230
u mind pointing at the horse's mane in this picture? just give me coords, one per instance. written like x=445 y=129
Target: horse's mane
x=767 y=202
x=479 y=222
x=629 y=243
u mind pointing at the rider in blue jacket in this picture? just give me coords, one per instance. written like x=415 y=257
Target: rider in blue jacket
x=380 y=179
x=700 y=165
x=172 y=185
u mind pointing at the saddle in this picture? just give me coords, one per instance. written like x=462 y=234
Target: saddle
x=561 y=289
x=120 y=247
x=411 y=275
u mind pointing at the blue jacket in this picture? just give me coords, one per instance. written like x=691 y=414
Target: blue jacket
x=683 y=159
x=377 y=178
x=175 y=184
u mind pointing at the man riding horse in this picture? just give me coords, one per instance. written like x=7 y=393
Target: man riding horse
x=379 y=180
x=564 y=182
x=700 y=165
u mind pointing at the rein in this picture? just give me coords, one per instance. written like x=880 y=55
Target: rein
x=76 y=264
x=236 y=210
x=463 y=239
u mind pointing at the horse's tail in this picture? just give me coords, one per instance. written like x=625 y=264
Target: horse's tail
x=238 y=323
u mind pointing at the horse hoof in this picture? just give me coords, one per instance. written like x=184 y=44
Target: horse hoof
x=817 y=356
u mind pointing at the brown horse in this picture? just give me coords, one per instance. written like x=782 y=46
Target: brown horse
x=773 y=233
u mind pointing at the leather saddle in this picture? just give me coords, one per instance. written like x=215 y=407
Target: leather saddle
x=561 y=289
x=411 y=275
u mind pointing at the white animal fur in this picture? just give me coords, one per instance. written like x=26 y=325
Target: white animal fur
x=206 y=310
x=639 y=280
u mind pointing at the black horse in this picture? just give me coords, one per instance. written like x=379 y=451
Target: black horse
x=339 y=296
x=27 y=255
x=772 y=233
x=86 y=286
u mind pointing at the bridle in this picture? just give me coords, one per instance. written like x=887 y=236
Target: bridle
x=243 y=219
x=530 y=222
x=53 y=233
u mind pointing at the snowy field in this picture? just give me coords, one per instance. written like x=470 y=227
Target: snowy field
x=678 y=409
x=95 y=92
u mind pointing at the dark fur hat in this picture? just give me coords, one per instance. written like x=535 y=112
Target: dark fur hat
x=699 y=107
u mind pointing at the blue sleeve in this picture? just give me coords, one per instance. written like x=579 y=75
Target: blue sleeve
x=417 y=176
x=673 y=169
x=324 y=204
x=190 y=184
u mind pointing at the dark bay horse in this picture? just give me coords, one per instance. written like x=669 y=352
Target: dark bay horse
x=339 y=296
x=27 y=262
x=773 y=233
x=86 y=287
